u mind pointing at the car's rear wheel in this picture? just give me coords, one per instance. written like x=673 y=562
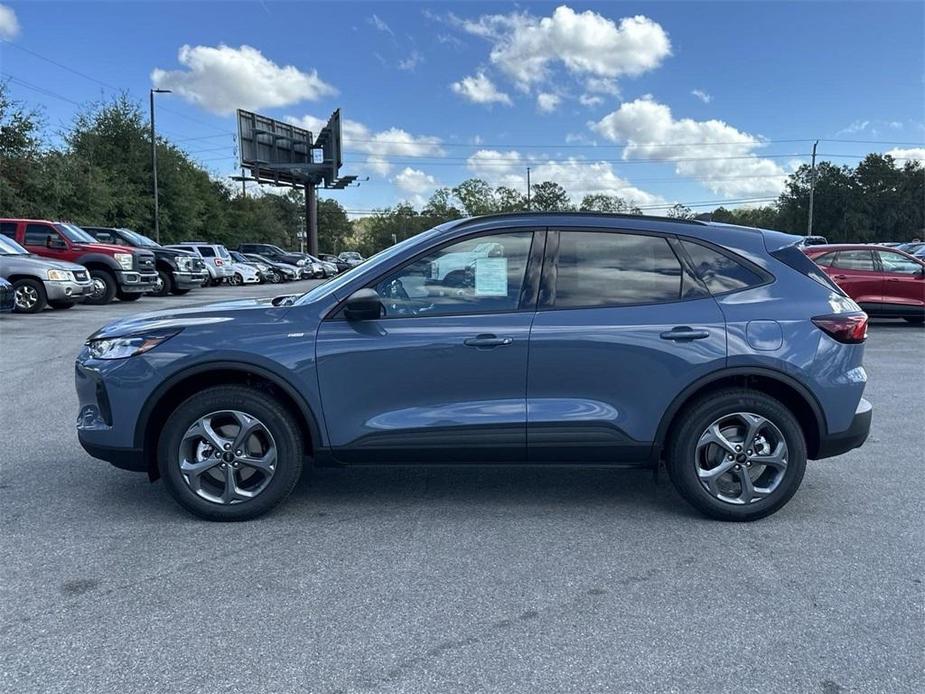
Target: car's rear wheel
x=230 y=453
x=104 y=287
x=29 y=296
x=737 y=455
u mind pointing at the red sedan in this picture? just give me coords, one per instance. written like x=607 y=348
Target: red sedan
x=885 y=282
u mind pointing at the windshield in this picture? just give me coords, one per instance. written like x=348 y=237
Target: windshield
x=332 y=285
x=351 y=255
x=138 y=239
x=237 y=257
x=75 y=233
x=10 y=247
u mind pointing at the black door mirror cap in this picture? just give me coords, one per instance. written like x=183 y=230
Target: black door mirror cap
x=363 y=304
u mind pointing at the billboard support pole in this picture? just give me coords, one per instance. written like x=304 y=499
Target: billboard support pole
x=311 y=218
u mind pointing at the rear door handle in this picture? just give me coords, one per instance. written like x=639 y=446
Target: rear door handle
x=892 y=279
x=487 y=341
x=684 y=333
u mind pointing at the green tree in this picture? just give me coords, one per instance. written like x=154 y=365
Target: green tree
x=602 y=202
x=679 y=211
x=549 y=196
x=476 y=196
x=509 y=200
x=334 y=227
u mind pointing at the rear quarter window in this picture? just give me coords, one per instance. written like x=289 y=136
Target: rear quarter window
x=720 y=272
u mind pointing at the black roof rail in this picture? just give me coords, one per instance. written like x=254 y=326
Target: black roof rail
x=609 y=215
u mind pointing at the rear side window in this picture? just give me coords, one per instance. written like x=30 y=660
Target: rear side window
x=855 y=260
x=8 y=229
x=206 y=251
x=799 y=261
x=614 y=269
x=720 y=272
x=37 y=234
x=825 y=260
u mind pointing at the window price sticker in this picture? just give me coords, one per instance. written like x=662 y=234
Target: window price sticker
x=491 y=277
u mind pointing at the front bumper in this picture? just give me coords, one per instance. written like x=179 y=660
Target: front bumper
x=188 y=280
x=131 y=281
x=852 y=437
x=67 y=290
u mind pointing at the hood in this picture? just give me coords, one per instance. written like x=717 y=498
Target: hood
x=207 y=314
x=110 y=248
x=40 y=263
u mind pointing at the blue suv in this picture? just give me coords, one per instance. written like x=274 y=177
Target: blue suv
x=529 y=338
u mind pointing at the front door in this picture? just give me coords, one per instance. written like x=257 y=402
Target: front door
x=621 y=329
x=855 y=272
x=37 y=238
x=441 y=376
x=903 y=283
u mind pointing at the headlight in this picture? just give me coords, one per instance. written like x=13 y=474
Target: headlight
x=262 y=267
x=125 y=260
x=300 y=262
x=124 y=347
x=290 y=272
x=59 y=275
x=184 y=262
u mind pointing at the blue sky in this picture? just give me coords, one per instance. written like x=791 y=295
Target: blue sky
x=658 y=102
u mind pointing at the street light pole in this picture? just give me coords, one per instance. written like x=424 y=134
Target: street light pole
x=812 y=186
x=157 y=222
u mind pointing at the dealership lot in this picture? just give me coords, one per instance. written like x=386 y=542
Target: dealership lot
x=407 y=579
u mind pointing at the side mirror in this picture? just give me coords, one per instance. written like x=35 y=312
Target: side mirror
x=363 y=304
x=55 y=242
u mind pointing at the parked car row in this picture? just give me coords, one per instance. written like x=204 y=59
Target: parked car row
x=58 y=264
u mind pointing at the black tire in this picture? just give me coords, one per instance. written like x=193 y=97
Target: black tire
x=108 y=290
x=697 y=417
x=206 y=282
x=275 y=278
x=129 y=296
x=60 y=304
x=179 y=292
x=165 y=284
x=277 y=420
x=915 y=320
x=29 y=296
x=236 y=280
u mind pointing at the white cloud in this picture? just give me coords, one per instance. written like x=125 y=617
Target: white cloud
x=411 y=62
x=590 y=100
x=602 y=85
x=378 y=146
x=578 y=176
x=547 y=102
x=713 y=152
x=380 y=25
x=414 y=182
x=908 y=154
x=9 y=24
x=479 y=89
x=221 y=79
x=702 y=95
x=585 y=43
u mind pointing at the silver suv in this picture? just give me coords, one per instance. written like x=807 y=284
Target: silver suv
x=216 y=257
x=39 y=282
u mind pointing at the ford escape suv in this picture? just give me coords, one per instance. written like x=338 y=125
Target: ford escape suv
x=722 y=351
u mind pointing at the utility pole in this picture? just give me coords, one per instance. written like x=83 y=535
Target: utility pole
x=812 y=186
x=311 y=218
x=528 y=188
x=157 y=221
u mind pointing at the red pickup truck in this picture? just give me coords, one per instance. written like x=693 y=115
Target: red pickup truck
x=115 y=270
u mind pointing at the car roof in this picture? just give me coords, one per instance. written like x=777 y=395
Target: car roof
x=824 y=247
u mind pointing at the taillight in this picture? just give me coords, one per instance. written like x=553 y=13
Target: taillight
x=849 y=328
x=218 y=261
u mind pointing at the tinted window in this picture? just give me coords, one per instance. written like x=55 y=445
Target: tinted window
x=825 y=259
x=720 y=272
x=105 y=237
x=206 y=251
x=894 y=262
x=611 y=269
x=8 y=229
x=854 y=260
x=479 y=275
x=37 y=234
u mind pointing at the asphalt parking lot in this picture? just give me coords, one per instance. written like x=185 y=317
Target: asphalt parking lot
x=452 y=579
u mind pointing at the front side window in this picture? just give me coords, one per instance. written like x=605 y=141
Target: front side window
x=894 y=262
x=37 y=234
x=854 y=260
x=469 y=276
x=8 y=229
x=614 y=269
x=720 y=272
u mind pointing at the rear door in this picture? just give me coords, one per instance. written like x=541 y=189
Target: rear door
x=903 y=281
x=622 y=327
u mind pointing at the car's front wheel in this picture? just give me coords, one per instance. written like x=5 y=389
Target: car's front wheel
x=29 y=296
x=230 y=453
x=737 y=455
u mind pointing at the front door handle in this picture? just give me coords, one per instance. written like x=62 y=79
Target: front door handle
x=684 y=333
x=892 y=279
x=841 y=277
x=487 y=341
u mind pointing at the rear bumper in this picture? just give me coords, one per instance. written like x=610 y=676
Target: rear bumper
x=853 y=437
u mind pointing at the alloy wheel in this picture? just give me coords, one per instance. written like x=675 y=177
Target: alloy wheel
x=227 y=457
x=99 y=288
x=741 y=458
x=25 y=297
